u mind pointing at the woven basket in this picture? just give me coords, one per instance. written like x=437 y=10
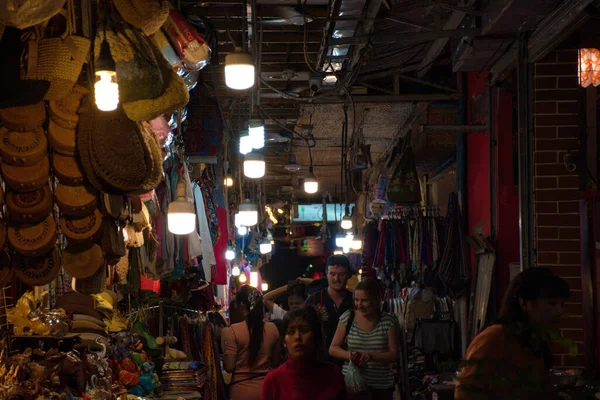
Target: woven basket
x=37 y=271
x=174 y=94
x=67 y=170
x=34 y=240
x=25 y=13
x=24 y=118
x=63 y=112
x=75 y=201
x=82 y=230
x=57 y=60
x=26 y=179
x=146 y=15
x=61 y=139
x=82 y=263
x=23 y=148
x=29 y=207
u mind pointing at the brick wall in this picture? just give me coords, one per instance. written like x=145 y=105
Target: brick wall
x=556 y=108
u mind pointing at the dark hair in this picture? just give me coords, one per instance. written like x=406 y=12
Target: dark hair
x=217 y=319
x=338 y=260
x=309 y=315
x=297 y=289
x=529 y=285
x=235 y=314
x=372 y=289
x=252 y=299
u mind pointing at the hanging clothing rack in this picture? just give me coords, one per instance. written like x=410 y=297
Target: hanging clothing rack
x=170 y=309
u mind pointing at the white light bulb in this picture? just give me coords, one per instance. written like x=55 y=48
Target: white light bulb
x=356 y=244
x=311 y=185
x=106 y=91
x=228 y=181
x=239 y=77
x=242 y=230
x=243 y=278
x=235 y=271
x=264 y=286
x=346 y=222
x=338 y=252
x=340 y=240
x=254 y=165
x=245 y=144
x=254 y=279
x=230 y=254
x=265 y=247
x=181 y=215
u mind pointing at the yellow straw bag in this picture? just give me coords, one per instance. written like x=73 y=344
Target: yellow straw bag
x=57 y=60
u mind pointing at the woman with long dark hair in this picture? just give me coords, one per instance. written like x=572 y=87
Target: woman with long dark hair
x=368 y=338
x=511 y=359
x=250 y=348
x=304 y=375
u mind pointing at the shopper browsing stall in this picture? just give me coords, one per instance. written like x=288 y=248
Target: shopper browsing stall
x=371 y=340
x=251 y=348
x=296 y=296
x=304 y=375
x=511 y=358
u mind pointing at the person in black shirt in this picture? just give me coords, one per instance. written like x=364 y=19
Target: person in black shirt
x=334 y=300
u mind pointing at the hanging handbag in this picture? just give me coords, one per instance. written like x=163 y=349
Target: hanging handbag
x=403 y=186
x=58 y=60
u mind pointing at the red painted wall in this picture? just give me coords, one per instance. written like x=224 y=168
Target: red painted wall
x=478 y=166
x=507 y=192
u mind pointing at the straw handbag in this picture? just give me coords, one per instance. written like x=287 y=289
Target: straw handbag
x=25 y=13
x=57 y=60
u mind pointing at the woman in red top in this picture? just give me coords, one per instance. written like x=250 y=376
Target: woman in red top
x=304 y=376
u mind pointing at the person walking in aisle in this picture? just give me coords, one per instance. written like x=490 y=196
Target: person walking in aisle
x=335 y=299
x=304 y=376
x=296 y=296
x=512 y=358
x=371 y=340
x=250 y=348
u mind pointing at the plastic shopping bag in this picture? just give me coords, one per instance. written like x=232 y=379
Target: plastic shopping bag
x=355 y=383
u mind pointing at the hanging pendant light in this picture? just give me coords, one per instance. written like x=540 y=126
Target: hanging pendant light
x=338 y=252
x=228 y=181
x=311 y=185
x=340 y=240
x=239 y=70
x=230 y=252
x=243 y=278
x=235 y=271
x=245 y=143
x=265 y=246
x=256 y=128
x=292 y=166
x=254 y=165
x=254 y=279
x=264 y=286
x=181 y=216
x=346 y=222
x=248 y=213
x=242 y=230
x=106 y=88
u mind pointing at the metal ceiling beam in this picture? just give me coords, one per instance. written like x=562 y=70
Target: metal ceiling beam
x=438 y=46
x=279 y=48
x=333 y=11
x=563 y=20
x=268 y=97
x=409 y=36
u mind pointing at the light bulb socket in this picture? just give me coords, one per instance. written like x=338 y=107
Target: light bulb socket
x=105 y=61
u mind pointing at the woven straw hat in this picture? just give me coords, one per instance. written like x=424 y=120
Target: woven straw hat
x=75 y=201
x=67 y=170
x=73 y=302
x=25 y=179
x=25 y=117
x=34 y=240
x=93 y=285
x=37 y=271
x=64 y=112
x=174 y=95
x=147 y=15
x=116 y=154
x=62 y=139
x=23 y=148
x=29 y=207
x=82 y=230
x=81 y=264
